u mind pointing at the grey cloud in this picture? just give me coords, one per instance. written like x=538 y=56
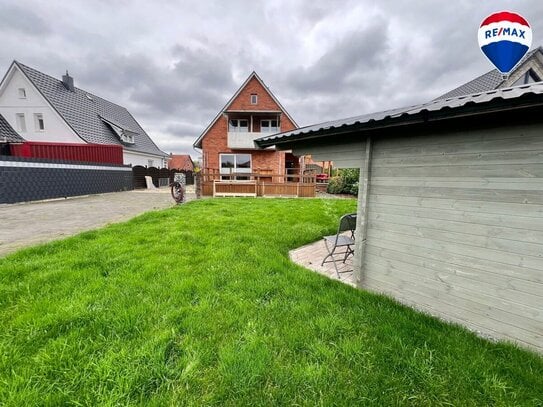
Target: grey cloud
x=22 y=20
x=347 y=64
x=175 y=66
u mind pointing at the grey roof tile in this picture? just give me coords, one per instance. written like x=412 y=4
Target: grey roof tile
x=488 y=81
x=7 y=133
x=82 y=111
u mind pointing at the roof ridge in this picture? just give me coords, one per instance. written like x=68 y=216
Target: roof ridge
x=75 y=87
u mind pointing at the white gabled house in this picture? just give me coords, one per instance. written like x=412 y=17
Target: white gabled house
x=42 y=108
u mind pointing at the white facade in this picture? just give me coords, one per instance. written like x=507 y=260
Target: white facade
x=12 y=103
x=146 y=160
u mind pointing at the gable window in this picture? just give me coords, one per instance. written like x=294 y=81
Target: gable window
x=254 y=98
x=269 y=126
x=21 y=123
x=238 y=125
x=38 y=122
x=529 y=77
x=235 y=163
x=22 y=93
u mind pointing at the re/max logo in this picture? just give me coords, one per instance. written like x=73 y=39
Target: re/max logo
x=512 y=32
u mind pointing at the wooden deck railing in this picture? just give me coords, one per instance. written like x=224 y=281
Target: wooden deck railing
x=262 y=183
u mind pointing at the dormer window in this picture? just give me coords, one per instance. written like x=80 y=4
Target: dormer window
x=22 y=93
x=126 y=136
x=254 y=98
x=529 y=77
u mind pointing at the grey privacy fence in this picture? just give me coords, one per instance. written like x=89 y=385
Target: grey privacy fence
x=24 y=179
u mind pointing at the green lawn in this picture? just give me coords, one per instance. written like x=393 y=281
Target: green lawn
x=199 y=305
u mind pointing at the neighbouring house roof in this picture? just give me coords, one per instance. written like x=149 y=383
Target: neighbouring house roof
x=94 y=119
x=198 y=142
x=493 y=79
x=492 y=101
x=7 y=134
x=181 y=162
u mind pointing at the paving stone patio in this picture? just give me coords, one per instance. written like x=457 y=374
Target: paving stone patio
x=27 y=224
x=311 y=256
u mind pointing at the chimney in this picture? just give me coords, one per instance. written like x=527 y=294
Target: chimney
x=68 y=82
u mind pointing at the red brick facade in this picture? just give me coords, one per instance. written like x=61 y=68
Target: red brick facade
x=215 y=141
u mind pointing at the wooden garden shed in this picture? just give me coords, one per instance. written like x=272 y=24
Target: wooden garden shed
x=450 y=210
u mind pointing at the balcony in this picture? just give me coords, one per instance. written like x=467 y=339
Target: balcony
x=245 y=140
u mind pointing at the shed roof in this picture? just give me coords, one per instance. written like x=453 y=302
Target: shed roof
x=7 y=134
x=84 y=113
x=504 y=99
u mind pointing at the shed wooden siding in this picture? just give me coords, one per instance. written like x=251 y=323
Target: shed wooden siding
x=344 y=155
x=455 y=225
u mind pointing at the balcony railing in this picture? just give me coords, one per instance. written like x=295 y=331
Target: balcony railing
x=244 y=140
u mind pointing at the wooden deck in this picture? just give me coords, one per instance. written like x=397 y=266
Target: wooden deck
x=258 y=184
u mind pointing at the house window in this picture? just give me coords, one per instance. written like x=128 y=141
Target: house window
x=22 y=93
x=254 y=98
x=235 y=163
x=529 y=77
x=238 y=125
x=269 y=126
x=38 y=122
x=150 y=163
x=21 y=123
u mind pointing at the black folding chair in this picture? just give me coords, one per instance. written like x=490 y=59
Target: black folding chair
x=340 y=240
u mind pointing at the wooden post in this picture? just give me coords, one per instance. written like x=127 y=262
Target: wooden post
x=362 y=216
x=198 y=184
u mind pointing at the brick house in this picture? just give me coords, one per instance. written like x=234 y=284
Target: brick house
x=180 y=162
x=227 y=144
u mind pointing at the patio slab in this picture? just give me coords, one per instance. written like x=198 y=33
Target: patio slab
x=311 y=256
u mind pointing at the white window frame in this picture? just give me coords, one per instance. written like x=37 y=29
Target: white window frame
x=254 y=99
x=150 y=163
x=226 y=171
x=22 y=93
x=37 y=118
x=269 y=128
x=234 y=126
x=21 y=122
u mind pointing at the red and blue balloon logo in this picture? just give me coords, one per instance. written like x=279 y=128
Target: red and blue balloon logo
x=505 y=38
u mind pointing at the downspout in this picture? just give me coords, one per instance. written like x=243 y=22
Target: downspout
x=362 y=216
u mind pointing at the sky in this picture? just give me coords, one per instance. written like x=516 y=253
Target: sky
x=174 y=64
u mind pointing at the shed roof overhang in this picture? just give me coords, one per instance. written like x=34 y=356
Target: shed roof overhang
x=494 y=108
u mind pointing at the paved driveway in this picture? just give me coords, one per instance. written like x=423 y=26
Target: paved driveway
x=28 y=224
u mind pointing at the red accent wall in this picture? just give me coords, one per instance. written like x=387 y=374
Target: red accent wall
x=92 y=153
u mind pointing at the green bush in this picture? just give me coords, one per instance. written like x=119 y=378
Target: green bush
x=350 y=175
x=345 y=182
x=354 y=189
x=335 y=185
